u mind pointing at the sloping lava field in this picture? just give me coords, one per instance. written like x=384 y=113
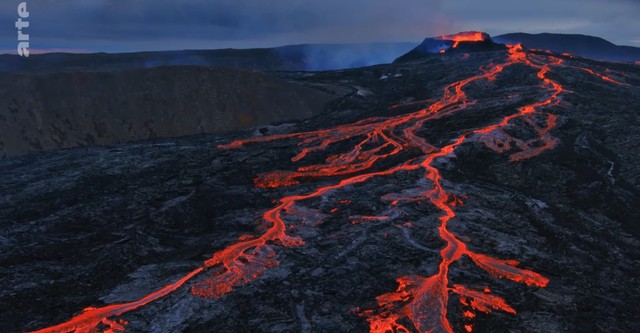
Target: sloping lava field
x=495 y=191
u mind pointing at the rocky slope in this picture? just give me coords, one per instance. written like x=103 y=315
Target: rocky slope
x=154 y=223
x=61 y=110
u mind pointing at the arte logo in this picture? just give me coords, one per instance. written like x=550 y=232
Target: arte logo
x=23 y=39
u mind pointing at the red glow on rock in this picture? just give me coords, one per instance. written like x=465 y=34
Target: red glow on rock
x=245 y=237
x=603 y=77
x=481 y=301
x=362 y=219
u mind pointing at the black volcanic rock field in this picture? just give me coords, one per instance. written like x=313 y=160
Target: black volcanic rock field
x=492 y=191
x=61 y=110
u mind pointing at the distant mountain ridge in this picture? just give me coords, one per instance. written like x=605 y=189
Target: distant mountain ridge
x=307 y=57
x=579 y=45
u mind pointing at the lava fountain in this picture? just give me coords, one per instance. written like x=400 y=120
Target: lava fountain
x=467 y=36
x=418 y=301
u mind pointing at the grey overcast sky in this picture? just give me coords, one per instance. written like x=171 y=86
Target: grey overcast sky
x=131 y=25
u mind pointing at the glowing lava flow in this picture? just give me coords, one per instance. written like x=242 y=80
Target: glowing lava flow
x=424 y=300
x=91 y=318
x=420 y=300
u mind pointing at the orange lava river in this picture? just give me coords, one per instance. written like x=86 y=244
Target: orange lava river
x=419 y=302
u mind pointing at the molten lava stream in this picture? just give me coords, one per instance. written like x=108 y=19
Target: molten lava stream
x=423 y=301
x=420 y=300
x=91 y=318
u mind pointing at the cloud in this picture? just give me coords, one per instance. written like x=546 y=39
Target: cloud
x=219 y=19
x=157 y=24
